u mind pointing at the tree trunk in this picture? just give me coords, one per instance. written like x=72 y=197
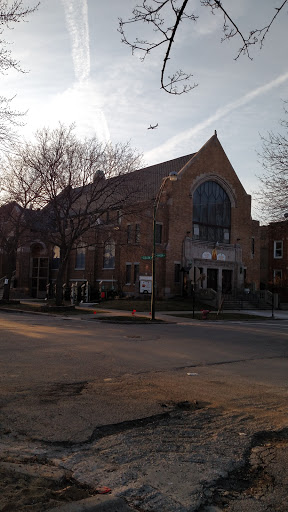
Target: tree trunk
x=59 y=283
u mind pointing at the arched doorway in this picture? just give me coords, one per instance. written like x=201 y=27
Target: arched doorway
x=39 y=270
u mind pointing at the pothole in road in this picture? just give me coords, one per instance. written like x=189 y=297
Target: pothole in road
x=260 y=484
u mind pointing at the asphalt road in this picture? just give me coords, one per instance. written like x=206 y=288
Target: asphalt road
x=179 y=418
x=60 y=378
x=48 y=348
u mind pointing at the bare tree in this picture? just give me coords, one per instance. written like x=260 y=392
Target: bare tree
x=11 y=13
x=75 y=183
x=272 y=198
x=11 y=231
x=158 y=14
x=19 y=192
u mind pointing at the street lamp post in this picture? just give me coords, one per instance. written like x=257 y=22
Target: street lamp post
x=172 y=177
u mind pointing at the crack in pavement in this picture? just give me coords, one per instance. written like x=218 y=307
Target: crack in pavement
x=255 y=484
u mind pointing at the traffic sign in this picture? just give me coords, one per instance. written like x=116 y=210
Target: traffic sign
x=146 y=257
x=160 y=255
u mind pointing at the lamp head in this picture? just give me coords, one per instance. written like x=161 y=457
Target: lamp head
x=173 y=176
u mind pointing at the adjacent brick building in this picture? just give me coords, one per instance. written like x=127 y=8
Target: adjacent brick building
x=274 y=258
x=204 y=235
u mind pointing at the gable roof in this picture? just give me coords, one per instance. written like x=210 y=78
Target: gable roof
x=145 y=182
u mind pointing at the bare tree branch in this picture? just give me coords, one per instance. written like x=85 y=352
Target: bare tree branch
x=10 y=14
x=149 y=15
x=272 y=197
x=157 y=13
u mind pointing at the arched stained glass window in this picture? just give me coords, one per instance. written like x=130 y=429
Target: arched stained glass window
x=211 y=213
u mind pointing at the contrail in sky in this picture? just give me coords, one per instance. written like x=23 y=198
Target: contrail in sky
x=221 y=112
x=87 y=112
x=76 y=13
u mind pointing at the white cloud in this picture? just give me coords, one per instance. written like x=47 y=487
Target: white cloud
x=160 y=152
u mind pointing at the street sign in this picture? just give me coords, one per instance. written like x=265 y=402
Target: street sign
x=161 y=255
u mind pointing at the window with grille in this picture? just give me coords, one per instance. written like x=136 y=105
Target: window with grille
x=211 y=213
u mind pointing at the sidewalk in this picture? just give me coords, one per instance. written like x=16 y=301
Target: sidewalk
x=179 y=316
x=164 y=316
x=278 y=314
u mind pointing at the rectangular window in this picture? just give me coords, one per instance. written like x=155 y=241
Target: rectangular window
x=136 y=273
x=277 y=275
x=252 y=245
x=109 y=255
x=176 y=272
x=278 y=249
x=128 y=273
x=158 y=233
x=55 y=257
x=80 y=258
x=137 y=233
x=196 y=231
x=129 y=233
x=226 y=235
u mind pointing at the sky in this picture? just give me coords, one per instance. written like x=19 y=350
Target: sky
x=79 y=71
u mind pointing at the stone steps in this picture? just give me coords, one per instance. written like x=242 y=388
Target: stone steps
x=234 y=304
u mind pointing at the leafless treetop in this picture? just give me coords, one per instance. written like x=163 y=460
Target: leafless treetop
x=11 y=13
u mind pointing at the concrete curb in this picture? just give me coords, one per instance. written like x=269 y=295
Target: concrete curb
x=96 y=503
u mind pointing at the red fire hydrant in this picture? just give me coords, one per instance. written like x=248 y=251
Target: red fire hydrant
x=205 y=313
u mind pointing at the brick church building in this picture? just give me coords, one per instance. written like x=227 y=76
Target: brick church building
x=204 y=235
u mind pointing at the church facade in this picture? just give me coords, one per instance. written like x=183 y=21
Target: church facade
x=203 y=234
x=203 y=226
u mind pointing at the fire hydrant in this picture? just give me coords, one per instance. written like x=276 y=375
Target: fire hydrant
x=205 y=313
